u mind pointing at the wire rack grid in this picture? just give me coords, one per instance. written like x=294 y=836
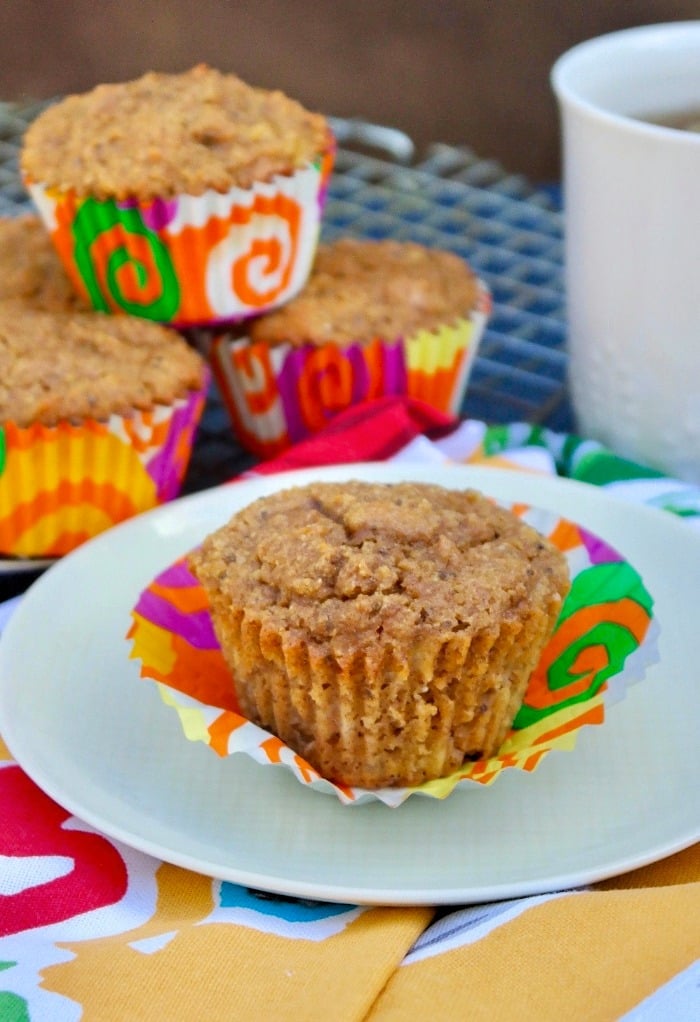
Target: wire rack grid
x=510 y=231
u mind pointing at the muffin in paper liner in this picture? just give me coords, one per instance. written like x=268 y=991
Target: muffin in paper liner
x=279 y=394
x=189 y=260
x=603 y=641
x=60 y=485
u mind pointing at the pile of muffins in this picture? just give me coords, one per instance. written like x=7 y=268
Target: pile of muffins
x=196 y=200
x=385 y=632
x=172 y=200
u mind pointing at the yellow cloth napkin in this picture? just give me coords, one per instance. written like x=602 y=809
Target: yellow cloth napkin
x=596 y=954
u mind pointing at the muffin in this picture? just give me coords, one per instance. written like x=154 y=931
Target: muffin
x=385 y=632
x=97 y=419
x=185 y=198
x=30 y=268
x=375 y=318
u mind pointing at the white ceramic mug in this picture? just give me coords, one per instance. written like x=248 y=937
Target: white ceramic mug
x=632 y=251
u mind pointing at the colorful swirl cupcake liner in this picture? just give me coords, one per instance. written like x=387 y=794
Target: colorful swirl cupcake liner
x=61 y=485
x=278 y=395
x=191 y=260
x=604 y=640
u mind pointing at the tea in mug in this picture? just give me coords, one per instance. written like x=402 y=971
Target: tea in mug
x=685 y=120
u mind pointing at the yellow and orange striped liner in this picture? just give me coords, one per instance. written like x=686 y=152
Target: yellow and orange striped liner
x=60 y=485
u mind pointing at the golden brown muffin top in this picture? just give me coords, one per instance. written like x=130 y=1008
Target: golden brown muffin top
x=58 y=367
x=362 y=290
x=30 y=268
x=342 y=566
x=166 y=134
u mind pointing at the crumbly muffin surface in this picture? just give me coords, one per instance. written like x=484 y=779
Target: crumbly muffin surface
x=165 y=134
x=361 y=290
x=72 y=366
x=30 y=268
x=385 y=632
x=345 y=565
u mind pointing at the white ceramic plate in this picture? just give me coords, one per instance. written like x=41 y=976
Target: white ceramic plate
x=99 y=740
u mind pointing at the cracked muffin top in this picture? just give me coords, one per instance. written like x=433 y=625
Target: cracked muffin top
x=71 y=366
x=361 y=290
x=165 y=134
x=30 y=268
x=339 y=565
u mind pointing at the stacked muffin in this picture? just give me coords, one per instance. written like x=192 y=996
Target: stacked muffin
x=375 y=318
x=97 y=413
x=190 y=199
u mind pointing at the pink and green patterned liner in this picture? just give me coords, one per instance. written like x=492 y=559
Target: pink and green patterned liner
x=604 y=640
x=278 y=395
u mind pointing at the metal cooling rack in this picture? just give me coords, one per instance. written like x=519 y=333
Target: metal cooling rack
x=509 y=231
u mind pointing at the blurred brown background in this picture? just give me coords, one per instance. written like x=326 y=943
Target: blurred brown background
x=464 y=72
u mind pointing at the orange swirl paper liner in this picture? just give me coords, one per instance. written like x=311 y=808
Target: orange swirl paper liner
x=604 y=640
x=192 y=259
x=278 y=395
x=61 y=485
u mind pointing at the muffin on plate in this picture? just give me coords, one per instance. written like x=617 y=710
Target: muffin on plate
x=375 y=318
x=97 y=420
x=385 y=632
x=30 y=268
x=186 y=198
